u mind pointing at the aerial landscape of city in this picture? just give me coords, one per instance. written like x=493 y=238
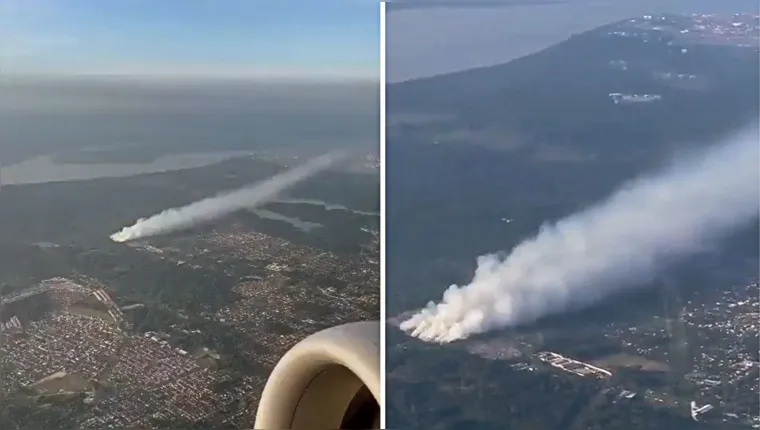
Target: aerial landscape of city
x=186 y=194
x=180 y=330
x=560 y=230
x=480 y=159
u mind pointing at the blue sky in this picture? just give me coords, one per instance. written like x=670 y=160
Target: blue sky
x=194 y=37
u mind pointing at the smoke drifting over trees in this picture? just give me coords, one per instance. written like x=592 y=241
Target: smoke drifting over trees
x=606 y=248
x=223 y=204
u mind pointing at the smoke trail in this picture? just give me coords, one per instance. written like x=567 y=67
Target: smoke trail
x=224 y=204
x=606 y=248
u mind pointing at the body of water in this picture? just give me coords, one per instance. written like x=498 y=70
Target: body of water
x=327 y=206
x=295 y=222
x=45 y=169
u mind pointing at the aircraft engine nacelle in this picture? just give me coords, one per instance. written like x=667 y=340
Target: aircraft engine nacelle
x=330 y=380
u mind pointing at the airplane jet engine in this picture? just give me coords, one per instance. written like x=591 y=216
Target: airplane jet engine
x=330 y=380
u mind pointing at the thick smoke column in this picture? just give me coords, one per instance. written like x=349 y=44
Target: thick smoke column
x=223 y=204
x=606 y=248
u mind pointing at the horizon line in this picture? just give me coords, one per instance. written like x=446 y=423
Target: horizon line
x=196 y=74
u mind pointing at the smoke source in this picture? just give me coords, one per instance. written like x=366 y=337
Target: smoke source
x=224 y=204
x=605 y=248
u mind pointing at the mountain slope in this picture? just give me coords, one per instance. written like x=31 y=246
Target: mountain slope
x=562 y=94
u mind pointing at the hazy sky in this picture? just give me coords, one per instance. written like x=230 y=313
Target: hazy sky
x=430 y=41
x=197 y=37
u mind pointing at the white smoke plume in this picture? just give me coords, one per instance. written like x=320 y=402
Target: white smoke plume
x=606 y=248
x=224 y=204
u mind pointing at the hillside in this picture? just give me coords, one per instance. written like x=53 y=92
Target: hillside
x=561 y=96
x=540 y=137
x=479 y=160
